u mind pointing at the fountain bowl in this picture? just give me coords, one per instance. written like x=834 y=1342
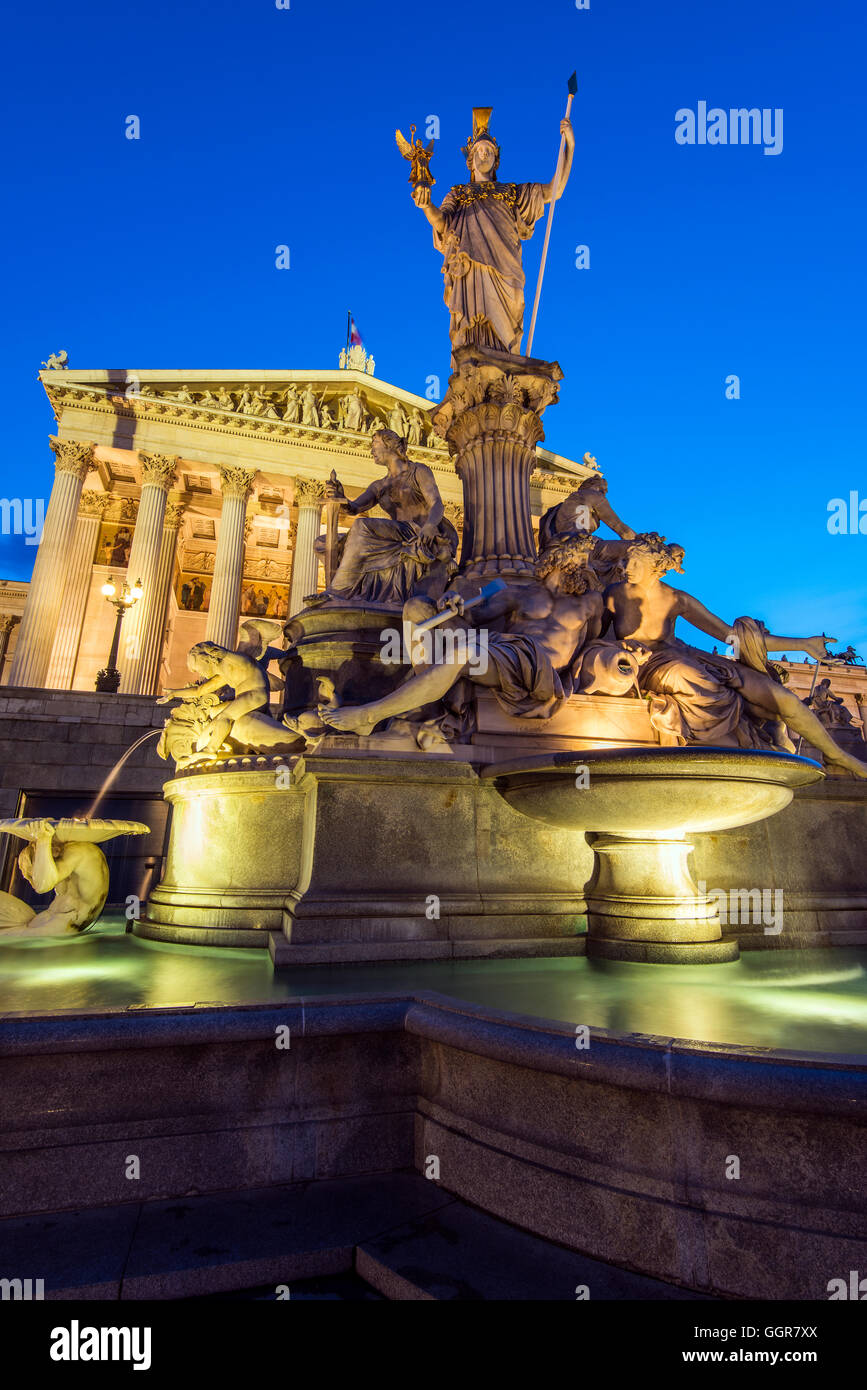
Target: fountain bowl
x=638 y=807
x=653 y=791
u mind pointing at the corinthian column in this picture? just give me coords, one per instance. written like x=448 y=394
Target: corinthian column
x=491 y=417
x=72 y=463
x=173 y=518
x=309 y=497
x=76 y=588
x=141 y=642
x=229 y=561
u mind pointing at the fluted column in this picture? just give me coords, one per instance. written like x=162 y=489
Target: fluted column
x=225 y=601
x=141 y=639
x=76 y=588
x=72 y=463
x=7 y=622
x=309 y=497
x=174 y=516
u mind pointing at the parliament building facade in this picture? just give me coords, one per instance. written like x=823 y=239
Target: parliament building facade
x=209 y=488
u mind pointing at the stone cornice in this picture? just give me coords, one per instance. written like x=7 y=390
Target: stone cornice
x=71 y=456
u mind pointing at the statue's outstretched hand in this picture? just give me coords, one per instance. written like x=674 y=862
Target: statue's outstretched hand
x=421 y=195
x=334 y=490
x=818 y=646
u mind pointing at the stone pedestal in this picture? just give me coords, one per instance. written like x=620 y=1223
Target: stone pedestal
x=358 y=856
x=491 y=419
x=643 y=904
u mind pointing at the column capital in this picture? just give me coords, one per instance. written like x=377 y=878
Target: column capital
x=309 y=492
x=158 y=470
x=8 y=621
x=236 y=482
x=94 y=504
x=174 y=515
x=72 y=456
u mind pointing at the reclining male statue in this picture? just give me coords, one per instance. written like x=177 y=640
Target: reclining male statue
x=541 y=629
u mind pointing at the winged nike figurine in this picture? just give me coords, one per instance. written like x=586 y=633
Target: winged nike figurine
x=418 y=156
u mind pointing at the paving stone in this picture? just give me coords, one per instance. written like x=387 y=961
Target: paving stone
x=459 y=1253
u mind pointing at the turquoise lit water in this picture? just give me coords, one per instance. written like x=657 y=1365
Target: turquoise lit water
x=804 y=1001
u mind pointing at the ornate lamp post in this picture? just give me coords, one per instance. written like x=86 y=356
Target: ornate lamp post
x=108 y=679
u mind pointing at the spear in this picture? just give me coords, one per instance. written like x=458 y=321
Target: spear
x=573 y=88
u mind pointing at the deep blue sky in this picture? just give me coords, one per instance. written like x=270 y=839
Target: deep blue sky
x=262 y=126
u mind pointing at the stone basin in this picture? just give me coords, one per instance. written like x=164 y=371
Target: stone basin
x=638 y=807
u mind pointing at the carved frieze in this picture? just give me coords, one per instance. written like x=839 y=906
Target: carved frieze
x=94 y=505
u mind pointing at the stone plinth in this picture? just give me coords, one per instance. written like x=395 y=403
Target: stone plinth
x=363 y=857
x=491 y=419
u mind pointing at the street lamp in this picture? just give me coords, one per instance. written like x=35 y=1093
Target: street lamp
x=108 y=679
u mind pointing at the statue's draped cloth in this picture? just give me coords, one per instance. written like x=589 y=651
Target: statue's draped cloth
x=485 y=224
x=527 y=682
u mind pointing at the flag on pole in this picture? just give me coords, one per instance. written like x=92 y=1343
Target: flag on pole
x=354 y=335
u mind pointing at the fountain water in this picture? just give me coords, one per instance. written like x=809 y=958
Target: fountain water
x=113 y=774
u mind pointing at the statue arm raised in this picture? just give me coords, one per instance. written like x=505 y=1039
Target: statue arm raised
x=44 y=873
x=606 y=513
x=554 y=189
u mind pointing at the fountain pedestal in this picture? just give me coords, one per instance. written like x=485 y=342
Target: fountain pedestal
x=638 y=807
x=643 y=904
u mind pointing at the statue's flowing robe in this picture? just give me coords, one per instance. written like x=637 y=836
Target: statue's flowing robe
x=485 y=224
x=694 y=696
x=527 y=682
